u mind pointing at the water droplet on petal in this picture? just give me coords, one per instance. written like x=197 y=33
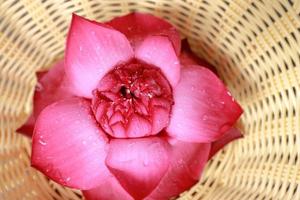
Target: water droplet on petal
x=131 y=144
x=225 y=127
x=68 y=179
x=49 y=168
x=204 y=117
x=154 y=146
x=203 y=91
x=84 y=142
x=42 y=142
x=39 y=87
x=146 y=162
x=80 y=48
x=49 y=157
x=176 y=63
x=179 y=125
x=180 y=163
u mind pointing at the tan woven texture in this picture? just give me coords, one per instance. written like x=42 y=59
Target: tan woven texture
x=254 y=44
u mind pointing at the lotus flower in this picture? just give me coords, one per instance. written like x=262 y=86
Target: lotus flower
x=128 y=114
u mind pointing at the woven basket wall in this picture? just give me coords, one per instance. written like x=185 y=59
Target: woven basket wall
x=254 y=44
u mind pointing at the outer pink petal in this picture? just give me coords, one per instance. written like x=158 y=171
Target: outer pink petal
x=187 y=57
x=52 y=86
x=158 y=51
x=68 y=146
x=186 y=166
x=110 y=189
x=138 y=164
x=203 y=108
x=137 y=26
x=27 y=128
x=227 y=137
x=92 y=50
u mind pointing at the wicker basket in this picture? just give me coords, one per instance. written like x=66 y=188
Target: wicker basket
x=254 y=44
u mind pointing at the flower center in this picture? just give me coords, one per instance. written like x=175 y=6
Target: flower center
x=133 y=100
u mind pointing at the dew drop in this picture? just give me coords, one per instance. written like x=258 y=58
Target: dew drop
x=80 y=48
x=218 y=105
x=84 y=142
x=154 y=146
x=146 y=162
x=203 y=91
x=181 y=162
x=39 y=87
x=68 y=179
x=58 y=175
x=224 y=128
x=42 y=142
x=38 y=158
x=49 y=168
x=204 y=117
x=49 y=157
x=131 y=144
x=221 y=105
x=148 y=55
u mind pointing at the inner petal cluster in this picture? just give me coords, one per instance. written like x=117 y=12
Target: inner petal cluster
x=133 y=100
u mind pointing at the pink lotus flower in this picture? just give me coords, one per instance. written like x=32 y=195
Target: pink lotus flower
x=127 y=115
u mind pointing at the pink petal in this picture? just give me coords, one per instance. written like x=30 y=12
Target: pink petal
x=138 y=164
x=27 y=128
x=137 y=26
x=138 y=125
x=187 y=57
x=227 y=137
x=203 y=108
x=110 y=189
x=68 y=146
x=158 y=51
x=52 y=86
x=186 y=165
x=160 y=119
x=92 y=50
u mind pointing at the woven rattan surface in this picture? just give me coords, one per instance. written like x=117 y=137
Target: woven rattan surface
x=254 y=44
